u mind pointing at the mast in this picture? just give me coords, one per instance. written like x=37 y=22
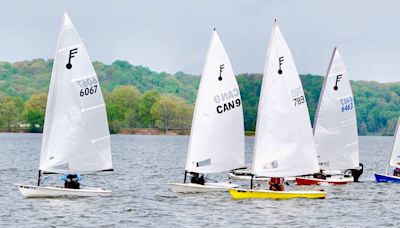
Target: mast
x=323 y=89
x=39 y=176
x=393 y=146
x=201 y=85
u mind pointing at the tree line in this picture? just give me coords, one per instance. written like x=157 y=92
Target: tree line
x=126 y=108
x=137 y=97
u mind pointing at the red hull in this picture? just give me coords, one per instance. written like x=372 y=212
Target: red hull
x=313 y=181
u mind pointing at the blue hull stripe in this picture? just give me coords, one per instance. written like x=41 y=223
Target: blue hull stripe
x=386 y=178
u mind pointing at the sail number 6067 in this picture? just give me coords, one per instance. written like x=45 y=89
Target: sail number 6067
x=88 y=86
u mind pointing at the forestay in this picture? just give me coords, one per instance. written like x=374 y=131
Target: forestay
x=335 y=125
x=217 y=134
x=284 y=142
x=76 y=137
x=395 y=157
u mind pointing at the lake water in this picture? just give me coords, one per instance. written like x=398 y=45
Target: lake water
x=144 y=165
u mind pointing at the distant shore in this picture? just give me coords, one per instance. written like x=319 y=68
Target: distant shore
x=145 y=131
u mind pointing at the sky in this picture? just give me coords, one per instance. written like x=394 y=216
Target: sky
x=173 y=35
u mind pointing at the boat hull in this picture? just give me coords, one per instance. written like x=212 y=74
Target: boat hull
x=268 y=194
x=198 y=188
x=386 y=178
x=328 y=181
x=31 y=191
x=247 y=177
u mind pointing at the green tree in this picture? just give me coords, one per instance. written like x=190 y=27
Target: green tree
x=34 y=111
x=122 y=103
x=183 y=115
x=147 y=101
x=168 y=111
x=10 y=111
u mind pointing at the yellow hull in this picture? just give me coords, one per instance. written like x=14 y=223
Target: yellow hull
x=267 y=194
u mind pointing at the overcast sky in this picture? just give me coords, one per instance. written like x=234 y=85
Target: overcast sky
x=173 y=35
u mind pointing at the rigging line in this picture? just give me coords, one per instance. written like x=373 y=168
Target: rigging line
x=72 y=46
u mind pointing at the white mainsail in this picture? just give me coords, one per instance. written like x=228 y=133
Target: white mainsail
x=395 y=156
x=217 y=134
x=284 y=143
x=76 y=137
x=335 y=125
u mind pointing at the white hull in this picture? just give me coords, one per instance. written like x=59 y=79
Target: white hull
x=198 y=188
x=340 y=178
x=243 y=176
x=31 y=191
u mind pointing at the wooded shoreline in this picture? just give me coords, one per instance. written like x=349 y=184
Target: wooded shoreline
x=137 y=97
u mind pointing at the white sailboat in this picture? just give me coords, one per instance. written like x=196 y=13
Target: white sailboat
x=393 y=162
x=335 y=128
x=217 y=134
x=76 y=137
x=284 y=145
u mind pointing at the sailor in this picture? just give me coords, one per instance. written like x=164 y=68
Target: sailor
x=396 y=171
x=197 y=179
x=201 y=180
x=275 y=184
x=320 y=175
x=356 y=173
x=71 y=180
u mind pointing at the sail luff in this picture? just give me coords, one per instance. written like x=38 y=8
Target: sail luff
x=49 y=111
x=323 y=89
x=395 y=148
x=196 y=105
x=263 y=84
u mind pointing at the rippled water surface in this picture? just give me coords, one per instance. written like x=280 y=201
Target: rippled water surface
x=144 y=165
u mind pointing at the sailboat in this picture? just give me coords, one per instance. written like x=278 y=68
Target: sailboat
x=76 y=137
x=393 y=162
x=283 y=144
x=217 y=135
x=335 y=129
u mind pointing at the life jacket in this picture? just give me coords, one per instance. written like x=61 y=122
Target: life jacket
x=74 y=184
x=275 y=184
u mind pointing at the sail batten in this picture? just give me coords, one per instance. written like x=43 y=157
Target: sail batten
x=83 y=77
x=100 y=139
x=283 y=142
x=217 y=134
x=93 y=107
x=75 y=137
x=335 y=125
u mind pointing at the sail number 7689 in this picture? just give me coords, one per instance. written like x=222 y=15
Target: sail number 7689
x=299 y=100
x=88 y=86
